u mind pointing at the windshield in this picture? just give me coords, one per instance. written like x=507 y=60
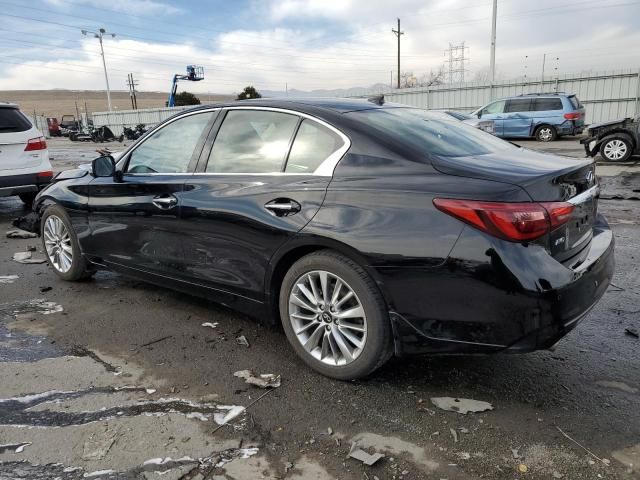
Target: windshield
x=432 y=133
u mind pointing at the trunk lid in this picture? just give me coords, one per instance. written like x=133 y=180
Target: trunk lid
x=545 y=178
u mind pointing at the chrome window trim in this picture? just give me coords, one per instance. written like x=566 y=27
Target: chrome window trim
x=134 y=147
x=325 y=169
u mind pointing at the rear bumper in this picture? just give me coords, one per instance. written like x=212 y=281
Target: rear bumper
x=25 y=183
x=509 y=303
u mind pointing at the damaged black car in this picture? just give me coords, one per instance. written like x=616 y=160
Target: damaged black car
x=616 y=141
x=366 y=229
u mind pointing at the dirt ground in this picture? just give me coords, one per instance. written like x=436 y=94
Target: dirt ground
x=117 y=379
x=55 y=103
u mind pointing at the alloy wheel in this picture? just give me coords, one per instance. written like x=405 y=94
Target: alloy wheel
x=327 y=318
x=615 y=149
x=57 y=241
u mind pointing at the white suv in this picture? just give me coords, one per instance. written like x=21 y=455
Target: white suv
x=24 y=158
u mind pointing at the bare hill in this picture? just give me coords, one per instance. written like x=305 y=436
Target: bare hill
x=55 y=103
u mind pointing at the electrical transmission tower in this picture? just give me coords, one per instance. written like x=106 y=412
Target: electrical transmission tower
x=457 y=61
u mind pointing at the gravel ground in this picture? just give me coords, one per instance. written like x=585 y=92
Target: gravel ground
x=114 y=378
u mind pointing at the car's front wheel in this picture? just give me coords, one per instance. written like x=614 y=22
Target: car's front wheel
x=334 y=316
x=61 y=246
x=616 y=149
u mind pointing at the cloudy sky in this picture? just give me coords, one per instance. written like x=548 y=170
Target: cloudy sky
x=305 y=44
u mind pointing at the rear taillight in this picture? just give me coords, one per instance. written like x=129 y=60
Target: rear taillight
x=516 y=222
x=38 y=143
x=572 y=115
x=46 y=174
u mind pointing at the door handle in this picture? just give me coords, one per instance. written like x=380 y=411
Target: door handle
x=165 y=202
x=283 y=207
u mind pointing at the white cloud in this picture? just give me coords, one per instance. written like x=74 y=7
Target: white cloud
x=149 y=7
x=293 y=46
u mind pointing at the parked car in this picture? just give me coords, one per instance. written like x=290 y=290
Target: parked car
x=368 y=230
x=545 y=116
x=484 y=125
x=616 y=141
x=24 y=158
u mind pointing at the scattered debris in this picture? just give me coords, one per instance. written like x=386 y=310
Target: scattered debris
x=464 y=455
x=454 y=434
x=461 y=405
x=365 y=457
x=632 y=332
x=288 y=466
x=20 y=234
x=15 y=447
x=515 y=453
x=26 y=257
x=27 y=223
x=583 y=447
x=557 y=474
x=242 y=340
x=617 y=385
x=8 y=278
x=264 y=380
x=231 y=412
x=150 y=391
x=45 y=289
x=97 y=447
x=522 y=468
x=152 y=342
x=210 y=325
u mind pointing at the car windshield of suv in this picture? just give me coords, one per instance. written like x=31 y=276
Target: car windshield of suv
x=431 y=133
x=11 y=121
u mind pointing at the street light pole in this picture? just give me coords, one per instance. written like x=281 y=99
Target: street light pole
x=99 y=36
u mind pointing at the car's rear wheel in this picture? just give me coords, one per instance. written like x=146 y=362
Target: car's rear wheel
x=334 y=316
x=616 y=149
x=61 y=245
x=27 y=198
x=546 y=133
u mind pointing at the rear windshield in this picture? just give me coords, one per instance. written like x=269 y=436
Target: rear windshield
x=12 y=120
x=575 y=102
x=431 y=133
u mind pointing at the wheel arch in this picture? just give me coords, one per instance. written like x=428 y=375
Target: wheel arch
x=537 y=126
x=615 y=134
x=297 y=248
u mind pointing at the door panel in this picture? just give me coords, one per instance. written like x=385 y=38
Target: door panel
x=128 y=228
x=135 y=221
x=229 y=234
x=518 y=118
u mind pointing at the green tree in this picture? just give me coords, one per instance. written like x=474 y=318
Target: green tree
x=186 y=98
x=248 y=92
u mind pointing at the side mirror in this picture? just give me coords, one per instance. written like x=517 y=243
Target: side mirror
x=479 y=113
x=104 y=166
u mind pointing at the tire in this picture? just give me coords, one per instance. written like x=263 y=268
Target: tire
x=27 y=198
x=616 y=149
x=55 y=226
x=326 y=348
x=546 y=133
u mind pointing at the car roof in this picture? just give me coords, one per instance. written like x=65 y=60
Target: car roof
x=335 y=105
x=8 y=105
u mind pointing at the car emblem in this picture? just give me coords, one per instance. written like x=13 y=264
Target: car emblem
x=590 y=176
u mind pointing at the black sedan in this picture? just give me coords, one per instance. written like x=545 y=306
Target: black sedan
x=367 y=229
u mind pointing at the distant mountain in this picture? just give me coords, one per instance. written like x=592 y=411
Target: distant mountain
x=338 y=92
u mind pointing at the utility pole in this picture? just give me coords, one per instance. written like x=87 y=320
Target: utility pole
x=99 y=34
x=398 y=33
x=131 y=83
x=492 y=63
x=544 y=60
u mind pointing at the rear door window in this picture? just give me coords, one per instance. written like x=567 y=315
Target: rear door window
x=545 y=104
x=518 y=105
x=314 y=143
x=12 y=121
x=252 y=141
